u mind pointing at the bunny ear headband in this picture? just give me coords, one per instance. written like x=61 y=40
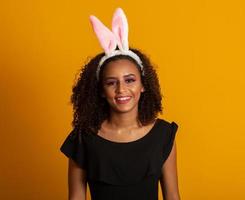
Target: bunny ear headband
x=109 y=40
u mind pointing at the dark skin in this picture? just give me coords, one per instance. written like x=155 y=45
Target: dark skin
x=122 y=78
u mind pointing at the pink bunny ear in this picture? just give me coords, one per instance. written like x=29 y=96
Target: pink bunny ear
x=120 y=28
x=105 y=36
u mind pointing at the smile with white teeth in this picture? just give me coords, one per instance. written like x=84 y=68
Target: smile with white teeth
x=123 y=98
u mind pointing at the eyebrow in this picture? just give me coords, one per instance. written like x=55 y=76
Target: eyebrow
x=111 y=77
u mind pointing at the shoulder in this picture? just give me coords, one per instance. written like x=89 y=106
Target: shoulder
x=166 y=124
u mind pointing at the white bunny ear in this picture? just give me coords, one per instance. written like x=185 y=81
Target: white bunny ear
x=120 y=29
x=106 y=38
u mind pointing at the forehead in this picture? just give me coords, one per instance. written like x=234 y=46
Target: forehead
x=120 y=67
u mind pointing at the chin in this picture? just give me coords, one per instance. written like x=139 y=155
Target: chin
x=124 y=108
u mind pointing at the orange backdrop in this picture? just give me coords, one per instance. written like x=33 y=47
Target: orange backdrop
x=198 y=50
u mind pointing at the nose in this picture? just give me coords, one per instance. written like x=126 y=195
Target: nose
x=120 y=87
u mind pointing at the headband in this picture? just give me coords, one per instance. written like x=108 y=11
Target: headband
x=109 y=40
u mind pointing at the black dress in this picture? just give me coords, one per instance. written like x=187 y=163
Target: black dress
x=122 y=170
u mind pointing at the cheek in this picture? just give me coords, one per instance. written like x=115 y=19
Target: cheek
x=136 y=91
x=109 y=92
x=136 y=88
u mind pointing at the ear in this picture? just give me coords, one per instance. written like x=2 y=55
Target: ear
x=142 y=89
x=106 y=38
x=120 y=28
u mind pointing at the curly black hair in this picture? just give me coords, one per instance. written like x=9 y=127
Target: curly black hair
x=90 y=109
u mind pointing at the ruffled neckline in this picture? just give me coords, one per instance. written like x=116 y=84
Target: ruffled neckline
x=148 y=134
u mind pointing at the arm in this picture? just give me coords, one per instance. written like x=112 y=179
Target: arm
x=77 y=182
x=169 y=179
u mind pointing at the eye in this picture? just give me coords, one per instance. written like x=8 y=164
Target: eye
x=110 y=83
x=130 y=80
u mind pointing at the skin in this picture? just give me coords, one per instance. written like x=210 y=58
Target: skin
x=77 y=182
x=121 y=77
x=169 y=180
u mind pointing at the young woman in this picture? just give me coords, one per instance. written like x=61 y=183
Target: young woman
x=118 y=145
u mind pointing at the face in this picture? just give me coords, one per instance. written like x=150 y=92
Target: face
x=122 y=85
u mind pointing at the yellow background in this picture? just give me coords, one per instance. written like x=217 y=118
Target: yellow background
x=198 y=50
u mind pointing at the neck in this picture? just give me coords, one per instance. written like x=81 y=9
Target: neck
x=123 y=121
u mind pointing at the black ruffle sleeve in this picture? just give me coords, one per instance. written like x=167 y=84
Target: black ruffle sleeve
x=73 y=147
x=171 y=137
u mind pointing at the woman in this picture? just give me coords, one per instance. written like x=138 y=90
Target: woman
x=118 y=145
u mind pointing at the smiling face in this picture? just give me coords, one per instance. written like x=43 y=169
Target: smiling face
x=122 y=85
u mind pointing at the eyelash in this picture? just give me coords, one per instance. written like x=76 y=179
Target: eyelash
x=131 y=80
